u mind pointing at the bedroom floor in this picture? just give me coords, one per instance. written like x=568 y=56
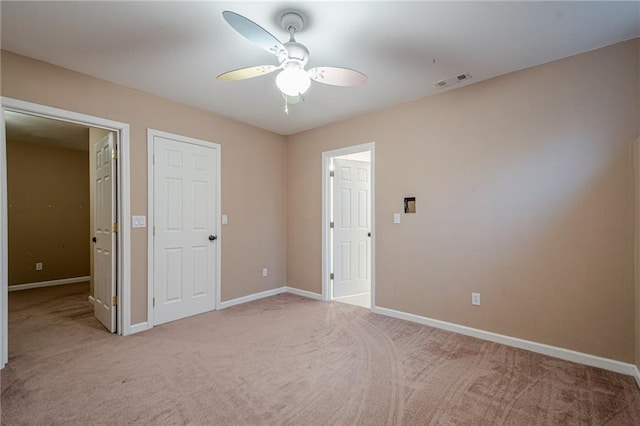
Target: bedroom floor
x=286 y=360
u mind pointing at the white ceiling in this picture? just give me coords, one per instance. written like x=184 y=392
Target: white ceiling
x=45 y=131
x=176 y=49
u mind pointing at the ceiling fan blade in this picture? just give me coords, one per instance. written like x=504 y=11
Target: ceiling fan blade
x=337 y=76
x=254 y=33
x=245 y=73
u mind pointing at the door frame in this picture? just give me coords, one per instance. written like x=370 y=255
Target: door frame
x=151 y=134
x=123 y=211
x=327 y=290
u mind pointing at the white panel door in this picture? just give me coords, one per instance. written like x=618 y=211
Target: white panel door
x=104 y=237
x=185 y=242
x=352 y=227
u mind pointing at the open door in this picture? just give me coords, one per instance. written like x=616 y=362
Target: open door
x=105 y=233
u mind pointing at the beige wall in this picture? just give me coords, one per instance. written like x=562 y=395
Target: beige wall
x=255 y=203
x=48 y=196
x=524 y=187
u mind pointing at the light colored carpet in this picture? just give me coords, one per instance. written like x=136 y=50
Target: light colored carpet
x=362 y=300
x=286 y=360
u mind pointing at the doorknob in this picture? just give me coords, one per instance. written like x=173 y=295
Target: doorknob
x=213 y=237
x=94 y=239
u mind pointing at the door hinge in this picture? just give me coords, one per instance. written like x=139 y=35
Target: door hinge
x=114 y=153
x=154 y=302
x=114 y=301
x=154 y=230
x=332 y=173
x=331 y=225
x=331 y=276
x=115 y=227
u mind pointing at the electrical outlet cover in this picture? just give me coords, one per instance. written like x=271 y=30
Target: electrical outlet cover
x=475 y=299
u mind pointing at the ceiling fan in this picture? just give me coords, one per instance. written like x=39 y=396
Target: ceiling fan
x=292 y=79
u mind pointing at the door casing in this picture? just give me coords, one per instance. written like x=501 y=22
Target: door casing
x=326 y=215
x=123 y=212
x=151 y=134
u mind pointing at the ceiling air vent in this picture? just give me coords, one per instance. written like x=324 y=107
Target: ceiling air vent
x=452 y=80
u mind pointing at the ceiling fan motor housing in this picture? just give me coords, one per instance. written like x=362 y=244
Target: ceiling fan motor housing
x=297 y=52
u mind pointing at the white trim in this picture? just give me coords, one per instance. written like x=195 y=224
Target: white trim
x=635 y=150
x=124 y=234
x=541 y=348
x=150 y=226
x=304 y=293
x=151 y=134
x=51 y=283
x=137 y=328
x=327 y=291
x=4 y=248
x=124 y=209
x=252 y=297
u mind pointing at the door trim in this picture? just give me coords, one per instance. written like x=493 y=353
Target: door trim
x=326 y=214
x=123 y=213
x=151 y=134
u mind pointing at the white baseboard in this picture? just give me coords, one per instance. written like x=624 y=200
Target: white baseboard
x=252 y=297
x=92 y=300
x=51 y=283
x=137 y=328
x=554 y=351
x=269 y=293
x=304 y=293
x=636 y=374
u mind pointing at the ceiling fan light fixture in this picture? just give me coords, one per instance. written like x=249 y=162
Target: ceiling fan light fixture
x=293 y=81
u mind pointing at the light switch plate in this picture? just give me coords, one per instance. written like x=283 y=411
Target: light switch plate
x=139 y=221
x=224 y=219
x=396 y=218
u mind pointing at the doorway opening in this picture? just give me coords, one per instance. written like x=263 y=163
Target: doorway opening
x=349 y=225
x=58 y=251
x=49 y=202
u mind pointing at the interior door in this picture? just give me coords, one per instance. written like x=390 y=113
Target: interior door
x=104 y=233
x=185 y=240
x=352 y=227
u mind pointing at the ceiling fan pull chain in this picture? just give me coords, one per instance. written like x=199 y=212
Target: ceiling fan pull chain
x=286 y=105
